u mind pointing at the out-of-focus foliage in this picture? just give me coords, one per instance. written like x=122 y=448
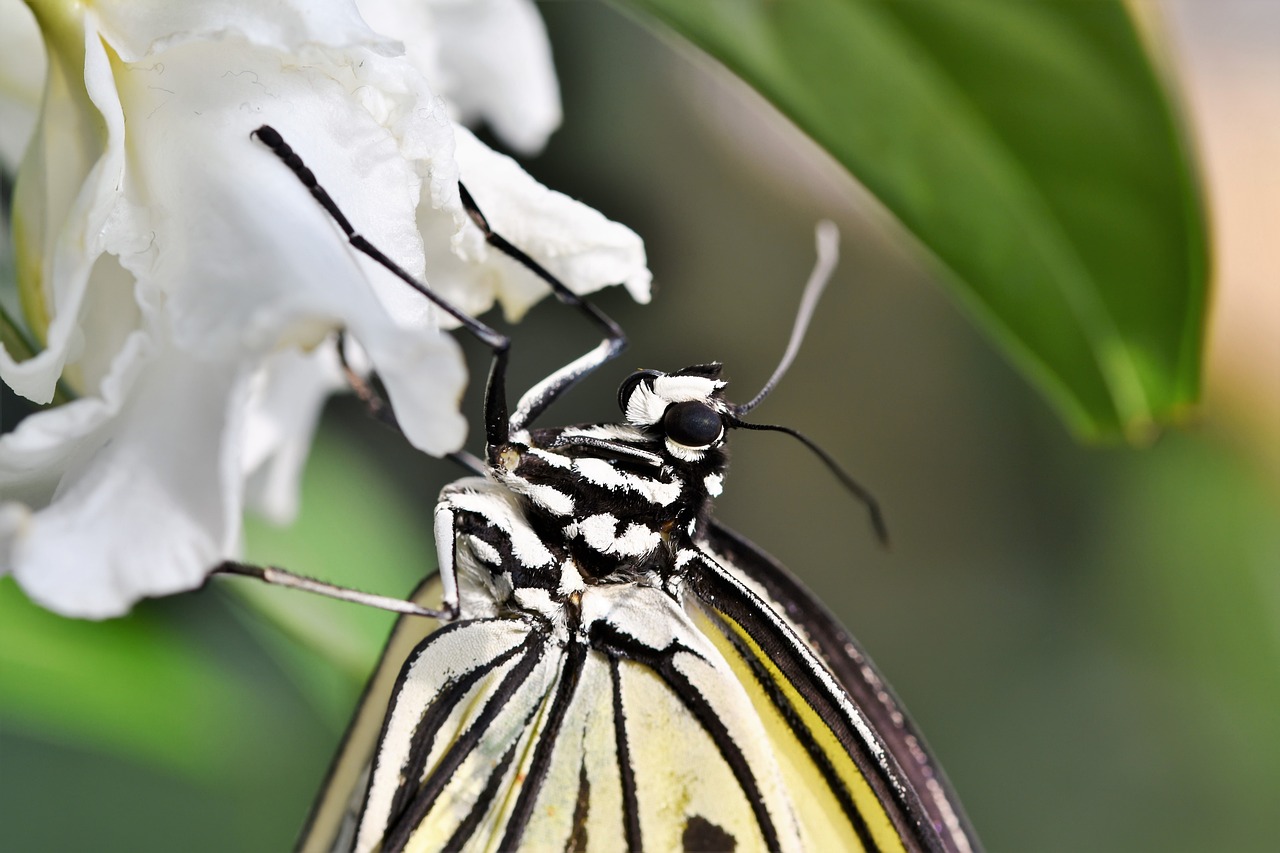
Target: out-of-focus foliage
x=1030 y=147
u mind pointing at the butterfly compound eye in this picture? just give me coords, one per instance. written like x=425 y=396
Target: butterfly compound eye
x=692 y=423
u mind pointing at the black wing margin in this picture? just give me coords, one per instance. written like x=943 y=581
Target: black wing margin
x=897 y=764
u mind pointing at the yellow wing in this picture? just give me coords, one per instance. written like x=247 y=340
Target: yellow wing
x=890 y=755
x=720 y=723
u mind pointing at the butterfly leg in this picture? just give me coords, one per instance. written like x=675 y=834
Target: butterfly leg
x=379 y=408
x=447 y=555
x=280 y=577
x=374 y=402
x=540 y=396
x=498 y=424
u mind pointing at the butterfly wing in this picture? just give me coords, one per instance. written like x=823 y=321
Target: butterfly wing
x=331 y=822
x=503 y=733
x=889 y=758
x=715 y=726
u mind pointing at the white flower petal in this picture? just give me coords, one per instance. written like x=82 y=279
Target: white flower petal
x=499 y=57
x=581 y=247
x=238 y=247
x=288 y=394
x=150 y=511
x=252 y=263
x=14 y=518
x=187 y=287
x=425 y=385
x=490 y=59
x=22 y=69
x=68 y=184
x=36 y=455
x=137 y=29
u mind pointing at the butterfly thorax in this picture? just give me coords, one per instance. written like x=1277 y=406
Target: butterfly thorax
x=611 y=497
x=568 y=509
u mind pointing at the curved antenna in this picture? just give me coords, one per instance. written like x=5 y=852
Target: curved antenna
x=855 y=488
x=827 y=237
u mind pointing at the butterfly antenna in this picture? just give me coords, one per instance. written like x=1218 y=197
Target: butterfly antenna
x=827 y=238
x=859 y=491
x=828 y=242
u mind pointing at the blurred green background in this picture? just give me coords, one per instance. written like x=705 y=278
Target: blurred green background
x=1088 y=638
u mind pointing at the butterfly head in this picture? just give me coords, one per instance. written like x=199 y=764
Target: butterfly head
x=687 y=407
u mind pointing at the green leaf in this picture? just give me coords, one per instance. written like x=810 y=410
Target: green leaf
x=1031 y=148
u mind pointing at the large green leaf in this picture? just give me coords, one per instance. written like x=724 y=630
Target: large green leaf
x=1031 y=148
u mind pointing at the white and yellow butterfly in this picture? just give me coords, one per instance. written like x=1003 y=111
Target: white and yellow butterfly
x=599 y=665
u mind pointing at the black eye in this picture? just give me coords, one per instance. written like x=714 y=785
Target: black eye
x=692 y=423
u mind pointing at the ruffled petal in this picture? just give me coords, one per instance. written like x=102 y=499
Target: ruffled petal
x=576 y=243
x=149 y=511
x=137 y=29
x=287 y=395
x=490 y=59
x=36 y=455
x=188 y=288
x=66 y=190
x=247 y=261
x=499 y=59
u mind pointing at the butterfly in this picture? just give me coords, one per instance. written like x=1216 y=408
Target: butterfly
x=598 y=663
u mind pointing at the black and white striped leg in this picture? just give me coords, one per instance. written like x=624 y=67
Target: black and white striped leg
x=498 y=425
x=535 y=401
x=280 y=577
x=447 y=556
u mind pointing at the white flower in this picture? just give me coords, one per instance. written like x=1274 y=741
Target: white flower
x=489 y=59
x=187 y=288
x=22 y=69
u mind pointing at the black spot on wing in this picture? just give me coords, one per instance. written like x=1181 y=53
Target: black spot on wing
x=697 y=704
x=702 y=836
